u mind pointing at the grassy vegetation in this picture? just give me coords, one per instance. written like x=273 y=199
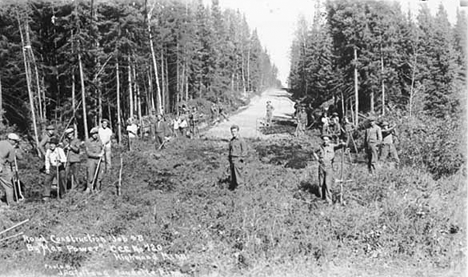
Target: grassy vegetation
x=396 y=223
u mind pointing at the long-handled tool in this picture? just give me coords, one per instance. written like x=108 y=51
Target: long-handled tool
x=12 y=227
x=96 y=172
x=119 y=184
x=58 y=177
x=17 y=182
x=162 y=144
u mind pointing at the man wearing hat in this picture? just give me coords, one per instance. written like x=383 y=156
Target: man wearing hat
x=72 y=150
x=44 y=144
x=162 y=131
x=269 y=113
x=105 y=134
x=95 y=151
x=325 y=156
x=388 y=146
x=372 y=139
x=9 y=151
x=55 y=160
x=237 y=154
x=301 y=121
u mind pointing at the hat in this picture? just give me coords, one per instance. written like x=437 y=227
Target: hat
x=13 y=136
x=335 y=113
x=385 y=123
x=371 y=118
x=235 y=127
x=69 y=130
x=53 y=141
x=104 y=120
x=50 y=127
x=94 y=130
x=325 y=136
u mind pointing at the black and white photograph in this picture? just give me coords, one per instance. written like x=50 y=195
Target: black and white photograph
x=228 y=138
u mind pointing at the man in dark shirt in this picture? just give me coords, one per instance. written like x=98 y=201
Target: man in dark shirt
x=162 y=131
x=237 y=154
x=372 y=139
x=72 y=150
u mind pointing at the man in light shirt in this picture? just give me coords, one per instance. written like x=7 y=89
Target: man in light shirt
x=55 y=160
x=8 y=154
x=132 y=131
x=105 y=135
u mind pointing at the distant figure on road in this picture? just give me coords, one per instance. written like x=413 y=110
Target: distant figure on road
x=269 y=113
x=237 y=154
x=372 y=139
x=214 y=112
x=132 y=132
x=388 y=146
x=325 y=156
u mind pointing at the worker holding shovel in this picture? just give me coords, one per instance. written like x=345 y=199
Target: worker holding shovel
x=8 y=155
x=55 y=160
x=95 y=152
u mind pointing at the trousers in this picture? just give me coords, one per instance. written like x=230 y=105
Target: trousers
x=325 y=176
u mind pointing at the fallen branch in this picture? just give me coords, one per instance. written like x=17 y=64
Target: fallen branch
x=12 y=236
x=14 y=226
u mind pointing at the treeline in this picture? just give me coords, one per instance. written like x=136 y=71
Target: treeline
x=80 y=61
x=370 y=57
x=389 y=58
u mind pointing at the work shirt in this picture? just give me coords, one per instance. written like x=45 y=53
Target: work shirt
x=326 y=153
x=237 y=148
x=373 y=134
x=387 y=135
x=161 y=128
x=269 y=108
x=73 y=152
x=105 y=135
x=7 y=153
x=53 y=158
x=132 y=130
x=94 y=148
x=302 y=117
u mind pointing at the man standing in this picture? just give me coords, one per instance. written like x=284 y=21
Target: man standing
x=8 y=154
x=237 y=154
x=72 y=150
x=95 y=150
x=105 y=135
x=55 y=160
x=372 y=139
x=325 y=156
x=301 y=121
x=44 y=144
x=269 y=113
x=214 y=113
x=162 y=131
x=388 y=146
x=193 y=122
x=132 y=131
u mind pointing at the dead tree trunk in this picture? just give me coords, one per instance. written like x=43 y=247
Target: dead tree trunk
x=119 y=114
x=28 y=82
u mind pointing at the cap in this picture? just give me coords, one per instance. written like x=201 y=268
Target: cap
x=325 y=136
x=53 y=141
x=94 y=130
x=104 y=120
x=385 y=123
x=69 y=130
x=235 y=127
x=335 y=113
x=371 y=118
x=50 y=127
x=13 y=136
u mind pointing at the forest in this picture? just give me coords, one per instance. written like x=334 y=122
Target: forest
x=80 y=61
x=371 y=57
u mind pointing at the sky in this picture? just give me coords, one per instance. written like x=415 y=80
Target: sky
x=275 y=21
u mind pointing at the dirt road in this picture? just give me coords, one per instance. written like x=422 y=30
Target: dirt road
x=252 y=116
